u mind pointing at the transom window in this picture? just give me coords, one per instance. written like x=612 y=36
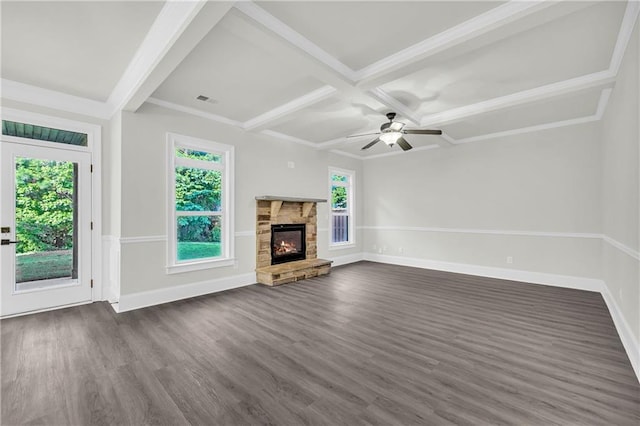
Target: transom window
x=42 y=133
x=201 y=193
x=342 y=185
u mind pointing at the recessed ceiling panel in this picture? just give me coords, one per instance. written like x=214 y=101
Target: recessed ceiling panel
x=574 y=45
x=330 y=119
x=242 y=69
x=552 y=110
x=78 y=47
x=359 y=33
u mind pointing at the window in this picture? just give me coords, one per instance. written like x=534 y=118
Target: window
x=342 y=199
x=200 y=204
x=41 y=133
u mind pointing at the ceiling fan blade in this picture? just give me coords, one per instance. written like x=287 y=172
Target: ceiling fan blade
x=402 y=142
x=363 y=134
x=422 y=132
x=370 y=144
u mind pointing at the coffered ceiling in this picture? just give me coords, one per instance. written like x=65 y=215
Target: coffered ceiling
x=315 y=72
x=79 y=48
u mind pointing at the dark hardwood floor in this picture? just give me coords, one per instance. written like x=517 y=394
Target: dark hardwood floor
x=369 y=344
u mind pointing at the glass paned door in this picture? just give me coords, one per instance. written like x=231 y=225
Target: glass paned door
x=45 y=215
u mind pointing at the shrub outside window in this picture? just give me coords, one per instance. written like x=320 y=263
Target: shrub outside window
x=200 y=184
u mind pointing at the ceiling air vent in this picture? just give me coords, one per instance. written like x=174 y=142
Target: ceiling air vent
x=202 y=98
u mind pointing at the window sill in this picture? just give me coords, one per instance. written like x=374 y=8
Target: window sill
x=342 y=246
x=198 y=266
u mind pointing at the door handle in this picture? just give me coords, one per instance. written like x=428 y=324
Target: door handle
x=7 y=242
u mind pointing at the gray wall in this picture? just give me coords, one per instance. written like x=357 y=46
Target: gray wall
x=482 y=193
x=621 y=187
x=261 y=169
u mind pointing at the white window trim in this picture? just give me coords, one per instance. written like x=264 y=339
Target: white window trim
x=228 y=232
x=351 y=197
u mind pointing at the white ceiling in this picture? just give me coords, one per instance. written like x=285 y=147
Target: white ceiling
x=79 y=48
x=359 y=34
x=315 y=72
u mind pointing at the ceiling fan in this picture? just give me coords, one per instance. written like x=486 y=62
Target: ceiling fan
x=391 y=134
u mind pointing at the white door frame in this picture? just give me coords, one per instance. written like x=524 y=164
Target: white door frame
x=94 y=148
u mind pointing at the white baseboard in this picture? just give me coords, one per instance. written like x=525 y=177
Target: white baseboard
x=627 y=337
x=129 y=302
x=567 y=281
x=346 y=259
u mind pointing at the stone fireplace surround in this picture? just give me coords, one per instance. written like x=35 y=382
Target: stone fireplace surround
x=277 y=210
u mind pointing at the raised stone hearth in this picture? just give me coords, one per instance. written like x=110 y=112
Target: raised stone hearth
x=273 y=210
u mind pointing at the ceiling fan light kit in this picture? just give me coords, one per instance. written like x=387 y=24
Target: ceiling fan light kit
x=390 y=138
x=391 y=134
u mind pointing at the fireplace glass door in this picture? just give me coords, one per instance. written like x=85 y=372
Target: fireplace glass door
x=287 y=243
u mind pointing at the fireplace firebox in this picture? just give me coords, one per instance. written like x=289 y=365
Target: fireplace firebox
x=288 y=243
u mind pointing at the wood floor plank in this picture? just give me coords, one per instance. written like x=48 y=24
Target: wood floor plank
x=370 y=344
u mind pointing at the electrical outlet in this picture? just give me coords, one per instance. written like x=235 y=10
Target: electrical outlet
x=291 y=164
x=400 y=249
x=509 y=259
x=380 y=250
x=384 y=248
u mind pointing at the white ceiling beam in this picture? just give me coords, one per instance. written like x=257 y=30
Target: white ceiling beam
x=269 y=21
x=179 y=27
x=588 y=81
x=522 y=130
x=297 y=104
x=624 y=35
x=317 y=61
x=472 y=28
x=397 y=106
x=53 y=99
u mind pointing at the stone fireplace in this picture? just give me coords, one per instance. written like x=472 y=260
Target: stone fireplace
x=286 y=240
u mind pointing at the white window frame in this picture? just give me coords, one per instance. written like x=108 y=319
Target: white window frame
x=227 y=210
x=350 y=185
x=94 y=147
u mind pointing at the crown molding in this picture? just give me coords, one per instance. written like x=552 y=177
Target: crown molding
x=290 y=107
x=448 y=139
x=332 y=142
x=472 y=28
x=299 y=141
x=603 y=102
x=26 y=93
x=588 y=81
x=272 y=23
x=624 y=35
x=346 y=154
x=289 y=138
x=194 y=111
